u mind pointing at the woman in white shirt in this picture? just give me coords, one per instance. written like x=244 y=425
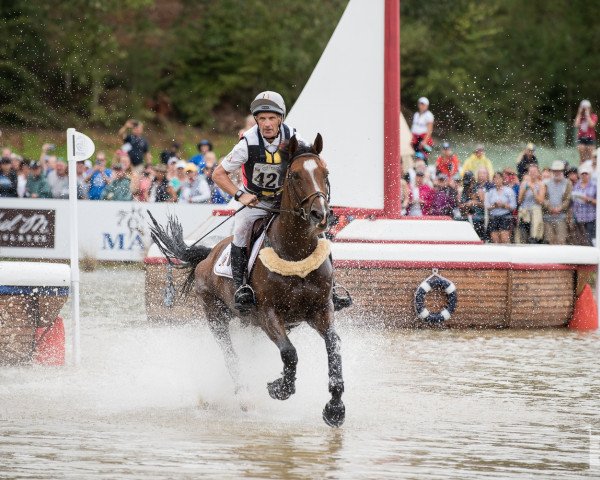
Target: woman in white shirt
x=422 y=128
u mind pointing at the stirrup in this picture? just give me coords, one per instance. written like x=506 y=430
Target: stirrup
x=244 y=298
x=340 y=302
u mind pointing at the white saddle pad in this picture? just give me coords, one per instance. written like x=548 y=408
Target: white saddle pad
x=223 y=265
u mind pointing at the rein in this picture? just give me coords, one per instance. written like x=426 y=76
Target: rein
x=299 y=210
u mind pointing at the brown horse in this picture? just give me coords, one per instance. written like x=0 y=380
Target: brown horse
x=282 y=300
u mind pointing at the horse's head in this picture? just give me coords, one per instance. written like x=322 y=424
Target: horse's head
x=306 y=184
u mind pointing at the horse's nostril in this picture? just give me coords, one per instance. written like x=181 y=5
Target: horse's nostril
x=317 y=215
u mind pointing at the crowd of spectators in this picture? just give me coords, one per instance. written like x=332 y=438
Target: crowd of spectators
x=555 y=205
x=131 y=175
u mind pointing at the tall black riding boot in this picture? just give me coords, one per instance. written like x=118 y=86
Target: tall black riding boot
x=339 y=301
x=244 y=295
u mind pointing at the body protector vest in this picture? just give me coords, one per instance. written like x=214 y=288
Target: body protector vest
x=264 y=172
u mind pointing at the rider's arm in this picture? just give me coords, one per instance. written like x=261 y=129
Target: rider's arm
x=233 y=161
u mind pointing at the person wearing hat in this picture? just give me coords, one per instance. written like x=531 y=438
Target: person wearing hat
x=585 y=122
x=422 y=128
x=179 y=176
x=420 y=196
x=262 y=156
x=527 y=158
x=584 y=197
x=37 y=186
x=557 y=200
x=447 y=163
x=471 y=204
x=161 y=190
x=204 y=146
x=478 y=160
x=8 y=179
x=444 y=199
x=119 y=189
x=195 y=189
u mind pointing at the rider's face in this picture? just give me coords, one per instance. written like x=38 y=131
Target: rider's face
x=268 y=124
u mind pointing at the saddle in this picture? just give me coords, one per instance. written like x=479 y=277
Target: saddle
x=256 y=236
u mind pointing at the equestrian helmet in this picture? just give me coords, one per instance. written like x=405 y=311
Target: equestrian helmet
x=268 y=102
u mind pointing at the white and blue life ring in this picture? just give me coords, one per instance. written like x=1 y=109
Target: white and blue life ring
x=436 y=282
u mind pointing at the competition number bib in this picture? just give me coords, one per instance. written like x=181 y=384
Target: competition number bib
x=266 y=175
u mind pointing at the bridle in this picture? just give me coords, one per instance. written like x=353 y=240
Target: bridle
x=299 y=209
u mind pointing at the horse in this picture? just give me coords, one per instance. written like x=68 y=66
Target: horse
x=291 y=284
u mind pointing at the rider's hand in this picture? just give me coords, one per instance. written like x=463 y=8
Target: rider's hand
x=248 y=199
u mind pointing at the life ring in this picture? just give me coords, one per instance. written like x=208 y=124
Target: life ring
x=436 y=282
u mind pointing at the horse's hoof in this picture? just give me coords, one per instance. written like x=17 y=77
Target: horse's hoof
x=334 y=413
x=281 y=389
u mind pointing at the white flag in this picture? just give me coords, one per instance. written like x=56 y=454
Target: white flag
x=79 y=146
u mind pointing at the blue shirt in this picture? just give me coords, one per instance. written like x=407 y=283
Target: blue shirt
x=505 y=195
x=98 y=184
x=198 y=160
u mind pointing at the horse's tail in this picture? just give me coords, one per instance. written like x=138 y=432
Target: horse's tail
x=170 y=242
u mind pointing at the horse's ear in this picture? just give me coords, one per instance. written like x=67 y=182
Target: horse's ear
x=318 y=144
x=293 y=146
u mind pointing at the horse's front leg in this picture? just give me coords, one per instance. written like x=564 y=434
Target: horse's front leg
x=334 y=412
x=284 y=387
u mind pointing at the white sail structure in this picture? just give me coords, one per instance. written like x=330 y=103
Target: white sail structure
x=344 y=101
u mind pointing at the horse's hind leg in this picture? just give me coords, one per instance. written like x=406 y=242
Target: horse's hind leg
x=284 y=387
x=218 y=321
x=334 y=412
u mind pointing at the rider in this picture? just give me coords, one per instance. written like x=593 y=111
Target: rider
x=262 y=155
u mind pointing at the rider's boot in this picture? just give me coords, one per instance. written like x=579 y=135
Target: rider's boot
x=339 y=301
x=244 y=295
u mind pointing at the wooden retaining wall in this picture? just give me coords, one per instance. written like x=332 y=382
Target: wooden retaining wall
x=487 y=298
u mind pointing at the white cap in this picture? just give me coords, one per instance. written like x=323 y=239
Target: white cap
x=172 y=160
x=181 y=164
x=557 y=166
x=424 y=101
x=88 y=163
x=586 y=167
x=585 y=104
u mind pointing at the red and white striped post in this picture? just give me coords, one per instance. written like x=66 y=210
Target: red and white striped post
x=392 y=185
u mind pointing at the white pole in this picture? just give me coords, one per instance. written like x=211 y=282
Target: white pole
x=597 y=232
x=74 y=245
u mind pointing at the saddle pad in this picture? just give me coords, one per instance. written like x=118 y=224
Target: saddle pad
x=222 y=267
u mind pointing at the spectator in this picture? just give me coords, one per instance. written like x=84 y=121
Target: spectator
x=471 y=205
x=527 y=158
x=180 y=177
x=404 y=195
x=37 y=185
x=572 y=175
x=59 y=180
x=500 y=201
x=161 y=191
x=119 y=189
x=531 y=197
x=47 y=161
x=217 y=195
x=204 y=146
x=585 y=122
x=82 y=185
x=511 y=180
x=483 y=179
x=8 y=178
x=22 y=174
x=135 y=145
x=98 y=178
x=447 y=163
x=422 y=128
x=171 y=152
x=557 y=201
x=195 y=189
x=15 y=162
x=444 y=199
x=546 y=174
x=145 y=184
x=249 y=123
x=134 y=178
x=421 y=195
x=172 y=168
x=419 y=165
x=476 y=161
x=6 y=153
x=584 y=205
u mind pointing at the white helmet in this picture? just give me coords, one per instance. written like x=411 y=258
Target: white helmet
x=268 y=102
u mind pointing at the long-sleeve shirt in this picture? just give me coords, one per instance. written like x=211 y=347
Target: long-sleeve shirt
x=505 y=195
x=197 y=191
x=582 y=211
